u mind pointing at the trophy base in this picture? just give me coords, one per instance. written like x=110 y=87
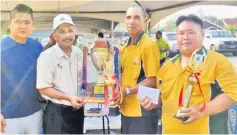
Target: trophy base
x=183 y=119
x=114 y=111
x=99 y=89
x=99 y=95
x=176 y=116
x=93 y=100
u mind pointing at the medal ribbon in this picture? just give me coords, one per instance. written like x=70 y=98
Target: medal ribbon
x=115 y=91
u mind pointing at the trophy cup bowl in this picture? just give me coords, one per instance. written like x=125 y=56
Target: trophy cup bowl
x=103 y=59
x=99 y=56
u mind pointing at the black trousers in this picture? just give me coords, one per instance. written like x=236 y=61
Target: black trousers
x=139 y=125
x=61 y=119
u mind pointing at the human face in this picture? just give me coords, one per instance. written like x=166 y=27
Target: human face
x=134 y=21
x=21 y=26
x=65 y=35
x=189 y=37
x=158 y=36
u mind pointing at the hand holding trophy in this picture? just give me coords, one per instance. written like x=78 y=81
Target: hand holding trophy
x=196 y=65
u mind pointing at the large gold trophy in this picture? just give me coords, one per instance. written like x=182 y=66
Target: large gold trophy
x=103 y=59
x=99 y=56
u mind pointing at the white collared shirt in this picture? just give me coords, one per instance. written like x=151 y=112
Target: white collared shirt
x=55 y=69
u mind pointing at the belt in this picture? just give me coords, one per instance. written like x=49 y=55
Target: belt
x=59 y=105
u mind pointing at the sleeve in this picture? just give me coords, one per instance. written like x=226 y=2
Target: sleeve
x=226 y=76
x=167 y=45
x=150 y=58
x=44 y=72
x=162 y=71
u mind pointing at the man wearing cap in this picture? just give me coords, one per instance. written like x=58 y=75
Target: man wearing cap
x=57 y=81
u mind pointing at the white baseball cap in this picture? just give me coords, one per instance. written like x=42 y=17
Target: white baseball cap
x=60 y=19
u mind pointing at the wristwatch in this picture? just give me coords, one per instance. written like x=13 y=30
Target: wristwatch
x=128 y=92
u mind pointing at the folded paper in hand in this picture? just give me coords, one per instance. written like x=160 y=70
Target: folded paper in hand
x=151 y=93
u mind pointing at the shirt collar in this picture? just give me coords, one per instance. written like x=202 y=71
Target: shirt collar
x=174 y=59
x=61 y=54
x=137 y=40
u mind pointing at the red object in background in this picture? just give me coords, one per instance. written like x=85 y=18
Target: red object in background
x=100 y=44
x=52 y=38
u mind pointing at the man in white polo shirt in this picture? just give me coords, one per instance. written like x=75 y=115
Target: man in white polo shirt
x=57 y=80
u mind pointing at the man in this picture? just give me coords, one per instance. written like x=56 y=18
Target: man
x=20 y=106
x=206 y=67
x=100 y=35
x=163 y=47
x=140 y=64
x=57 y=81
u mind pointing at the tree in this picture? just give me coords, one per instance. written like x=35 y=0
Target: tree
x=169 y=25
x=231 y=28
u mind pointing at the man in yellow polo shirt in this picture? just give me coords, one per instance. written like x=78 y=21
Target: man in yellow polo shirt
x=206 y=110
x=163 y=47
x=140 y=64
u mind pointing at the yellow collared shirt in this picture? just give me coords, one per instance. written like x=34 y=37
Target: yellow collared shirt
x=217 y=67
x=146 y=54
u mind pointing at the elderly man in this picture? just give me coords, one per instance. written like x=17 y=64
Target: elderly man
x=57 y=81
x=187 y=98
x=140 y=64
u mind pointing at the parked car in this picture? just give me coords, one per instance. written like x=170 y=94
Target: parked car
x=171 y=39
x=221 y=41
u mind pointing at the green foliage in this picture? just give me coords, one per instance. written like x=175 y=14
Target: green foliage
x=232 y=29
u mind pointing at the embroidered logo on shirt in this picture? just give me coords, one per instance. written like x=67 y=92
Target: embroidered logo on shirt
x=198 y=59
x=135 y=61
x=59 y=66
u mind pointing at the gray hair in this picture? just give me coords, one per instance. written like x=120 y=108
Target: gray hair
x=143 y=10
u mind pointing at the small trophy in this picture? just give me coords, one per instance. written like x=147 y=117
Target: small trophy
x=197 y=62
x=112 y=84
x=187 y=96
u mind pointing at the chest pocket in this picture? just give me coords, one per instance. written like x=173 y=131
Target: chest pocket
x=171 y=84
x=131 y=64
